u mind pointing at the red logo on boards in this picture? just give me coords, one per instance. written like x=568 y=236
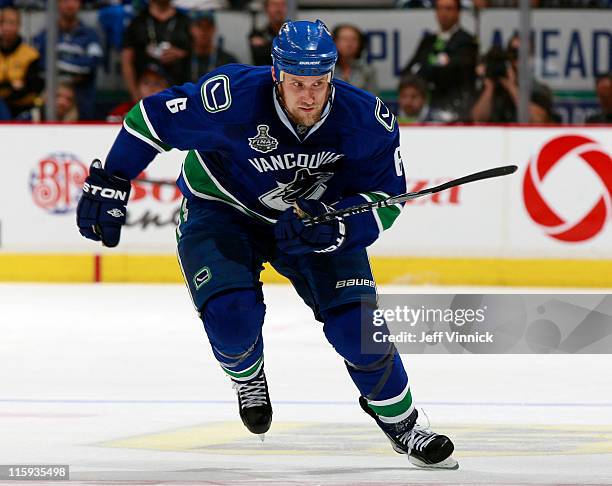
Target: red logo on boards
x=555 y=226
x=57 y=181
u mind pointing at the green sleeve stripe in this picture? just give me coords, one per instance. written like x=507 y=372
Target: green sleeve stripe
x=374 y=214
x=141 y=137
x=137 y=121
x=386 y=216
x=182 y=214
x=202 y=183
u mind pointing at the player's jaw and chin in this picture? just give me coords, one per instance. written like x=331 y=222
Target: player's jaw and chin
x=304 y=97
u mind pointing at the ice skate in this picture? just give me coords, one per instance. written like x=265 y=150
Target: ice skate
x=254 y=404
x=425 y=448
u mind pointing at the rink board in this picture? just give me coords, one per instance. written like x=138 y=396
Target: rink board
x=387 y=270
x=548 y=224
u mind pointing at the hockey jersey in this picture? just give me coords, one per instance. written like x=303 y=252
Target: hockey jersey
x=244 y=151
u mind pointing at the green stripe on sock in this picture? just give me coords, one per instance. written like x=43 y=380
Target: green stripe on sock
x=246 y=373
x=395 y=409
x=135 y=120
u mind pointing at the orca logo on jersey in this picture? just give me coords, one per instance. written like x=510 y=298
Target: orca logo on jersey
x=176 y=105
x=384 y=115
x=263 y=142
x=305 y=185
x=216 y=94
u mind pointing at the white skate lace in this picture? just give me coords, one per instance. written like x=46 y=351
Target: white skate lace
x=252 y=394
x=418 y=437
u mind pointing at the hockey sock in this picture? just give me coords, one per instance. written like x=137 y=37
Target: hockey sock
x=381 y=377
x=233 y=322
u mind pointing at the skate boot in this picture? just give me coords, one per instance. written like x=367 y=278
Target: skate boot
x=424 y=448
x=254 y=403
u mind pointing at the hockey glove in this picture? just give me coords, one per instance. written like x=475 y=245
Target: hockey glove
x=293 y=237
x=102 y=208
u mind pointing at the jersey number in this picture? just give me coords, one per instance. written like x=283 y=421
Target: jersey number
x=399 y=165
x=216 y=94
x=176 y=105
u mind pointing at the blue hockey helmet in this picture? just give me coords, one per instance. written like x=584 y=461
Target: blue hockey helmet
x=304 y=48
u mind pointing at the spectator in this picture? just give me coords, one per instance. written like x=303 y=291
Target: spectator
x=260 y=40
x=603 y=88
x=207 y=53
x=446 y=60
x=158 y=35
x=5 y=113
x=413 y=4
x=20 y=82
x=541 y=109
x=498 y=99
x=412 y=100
x=78 y=54
x=113 y=19
x=464 y=3
x=571 y=4
x=502 y=3
x=66 y=108
x=351 y=67
x=151 y=81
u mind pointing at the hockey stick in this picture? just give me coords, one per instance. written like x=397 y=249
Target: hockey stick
x=159 y=182
x=390 y=201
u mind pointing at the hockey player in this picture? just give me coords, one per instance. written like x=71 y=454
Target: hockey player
x=260 y=143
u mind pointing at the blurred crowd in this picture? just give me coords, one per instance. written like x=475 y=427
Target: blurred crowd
x=447 y=79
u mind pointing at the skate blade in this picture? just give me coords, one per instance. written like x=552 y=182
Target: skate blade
x=261 y=437
x=448 y=463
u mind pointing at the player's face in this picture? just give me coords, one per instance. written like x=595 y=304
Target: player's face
x=304 y=97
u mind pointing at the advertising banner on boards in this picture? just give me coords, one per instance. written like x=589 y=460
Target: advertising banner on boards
x=557 y=205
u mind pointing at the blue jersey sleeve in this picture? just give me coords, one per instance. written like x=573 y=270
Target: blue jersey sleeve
x=377 y=176
x=156 y=124
x=191 y=116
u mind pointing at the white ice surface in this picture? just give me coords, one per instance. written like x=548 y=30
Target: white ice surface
x=118 y=381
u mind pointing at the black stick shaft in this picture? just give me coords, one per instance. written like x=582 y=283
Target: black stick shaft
x=362 y=208
x=160 y=182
